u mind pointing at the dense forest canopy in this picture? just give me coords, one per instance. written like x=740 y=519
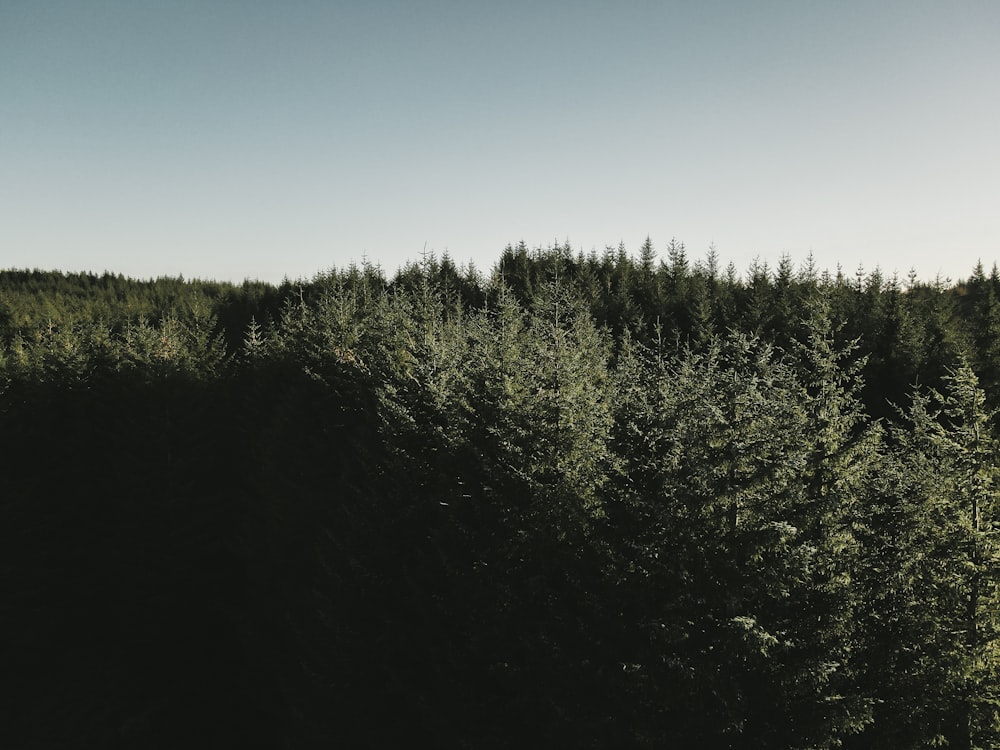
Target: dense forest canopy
x=607 y=500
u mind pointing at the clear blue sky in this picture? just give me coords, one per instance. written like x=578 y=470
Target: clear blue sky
x=261 y=139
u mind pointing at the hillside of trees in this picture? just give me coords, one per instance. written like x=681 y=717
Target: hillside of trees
x=618 y=500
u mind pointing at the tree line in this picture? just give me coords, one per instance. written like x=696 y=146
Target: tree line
x=605 y=500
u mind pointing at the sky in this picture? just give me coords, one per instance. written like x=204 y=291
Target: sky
x=247 y=139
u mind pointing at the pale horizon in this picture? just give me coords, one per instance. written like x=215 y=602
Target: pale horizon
x=239 y=140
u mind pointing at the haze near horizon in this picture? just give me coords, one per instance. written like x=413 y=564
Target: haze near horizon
x=241 y=140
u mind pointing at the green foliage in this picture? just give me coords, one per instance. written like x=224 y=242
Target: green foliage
x=739 y=488
x=588 y=501
x=933 y=565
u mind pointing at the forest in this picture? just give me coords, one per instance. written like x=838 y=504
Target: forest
x=606 y=500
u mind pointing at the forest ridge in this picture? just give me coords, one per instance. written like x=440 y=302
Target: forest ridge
x=609 y=500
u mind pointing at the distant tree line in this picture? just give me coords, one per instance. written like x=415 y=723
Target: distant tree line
x=612 y=500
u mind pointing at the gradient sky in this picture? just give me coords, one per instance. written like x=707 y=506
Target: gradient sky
x=257 y=139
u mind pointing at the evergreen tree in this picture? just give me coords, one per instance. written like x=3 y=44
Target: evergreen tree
x=730 y=515
x=934 y=612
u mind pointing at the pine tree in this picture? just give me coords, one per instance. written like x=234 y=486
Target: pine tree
x=969 y=449
x=981 y=314
x=729 y=504
x=935 y=611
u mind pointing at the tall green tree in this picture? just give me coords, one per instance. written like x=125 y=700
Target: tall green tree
x=934 y=562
